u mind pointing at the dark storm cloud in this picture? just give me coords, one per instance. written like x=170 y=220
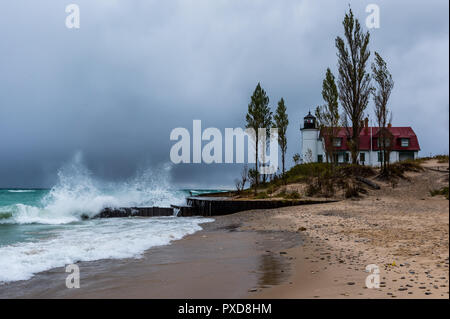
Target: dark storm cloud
x=115 y=88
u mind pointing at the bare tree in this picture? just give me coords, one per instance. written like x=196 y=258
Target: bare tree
x=354 y=80
x=308 y=156
x=253 y=177
x=381 y=94
x=240 y=183
x=296 y=158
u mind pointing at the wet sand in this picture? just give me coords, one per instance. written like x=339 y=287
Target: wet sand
x=218 y=262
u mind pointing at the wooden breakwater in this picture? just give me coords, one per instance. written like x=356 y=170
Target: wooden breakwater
x=205 y=206
x=215 y=206
x=135 y=211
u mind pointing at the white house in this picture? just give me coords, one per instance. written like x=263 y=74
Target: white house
x=405 y=144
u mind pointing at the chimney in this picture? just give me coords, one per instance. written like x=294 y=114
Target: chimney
x=366 y=126
x=389 y=125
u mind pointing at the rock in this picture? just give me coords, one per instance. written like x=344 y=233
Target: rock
x=350 y=283
x=301 y=229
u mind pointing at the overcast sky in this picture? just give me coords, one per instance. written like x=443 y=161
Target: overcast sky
x=115 y=88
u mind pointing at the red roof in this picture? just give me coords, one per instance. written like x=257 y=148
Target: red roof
x=368 y=132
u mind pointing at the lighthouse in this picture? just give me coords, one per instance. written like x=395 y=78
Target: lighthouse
x=310 y=140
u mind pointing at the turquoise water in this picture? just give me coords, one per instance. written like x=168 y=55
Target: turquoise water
x=23 y=214
x=11 y=197
x=42 y=229
x=12 y=233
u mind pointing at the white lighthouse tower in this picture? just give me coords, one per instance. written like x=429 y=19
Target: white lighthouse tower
x=310 y=140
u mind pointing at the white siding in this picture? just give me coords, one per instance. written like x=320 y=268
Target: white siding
x=310 y=141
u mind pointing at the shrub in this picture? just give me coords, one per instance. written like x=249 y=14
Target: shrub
x=351 y=191
x=352 y=170
x=261 y=195
x=398 y=169
x=312 y=189
x=292 y=195
x=443 y=191
x=271 y=189
x=442 y=158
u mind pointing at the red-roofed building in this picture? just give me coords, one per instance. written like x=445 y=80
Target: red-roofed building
x=405 y=144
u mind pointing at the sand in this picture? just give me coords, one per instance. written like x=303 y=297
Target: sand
x=403 y=230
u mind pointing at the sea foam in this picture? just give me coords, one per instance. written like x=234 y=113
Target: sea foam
x=92 y=240
x=77 y=193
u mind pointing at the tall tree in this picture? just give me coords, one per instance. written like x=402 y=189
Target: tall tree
x=267 y=123
x=328 y=115
x=259 y=116
x=381 y=94
x=282 y=122
x=354 y=80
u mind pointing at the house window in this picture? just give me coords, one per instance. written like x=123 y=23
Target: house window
x=336 y=158
x=380 y=157
x=387 y=142
x=404 y=142
x=320 y=158
x=362 y=157
x=346 y=158
x=337 y=142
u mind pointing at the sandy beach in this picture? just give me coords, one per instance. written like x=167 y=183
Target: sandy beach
x=402 y=230
x=311 y=251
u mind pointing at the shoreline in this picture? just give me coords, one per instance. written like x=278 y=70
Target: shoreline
x=313 y=251
x=219 y=261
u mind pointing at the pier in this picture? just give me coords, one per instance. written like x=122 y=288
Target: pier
x=205 y=206
x=216 y=206
x=135 y=211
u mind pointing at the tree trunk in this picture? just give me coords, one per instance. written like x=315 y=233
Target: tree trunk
x=256 y=162
x=355 y=145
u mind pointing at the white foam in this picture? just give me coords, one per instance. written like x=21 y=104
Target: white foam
x=78 y=193
x=21 y=191
x=93 y=240
x=25 y=214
